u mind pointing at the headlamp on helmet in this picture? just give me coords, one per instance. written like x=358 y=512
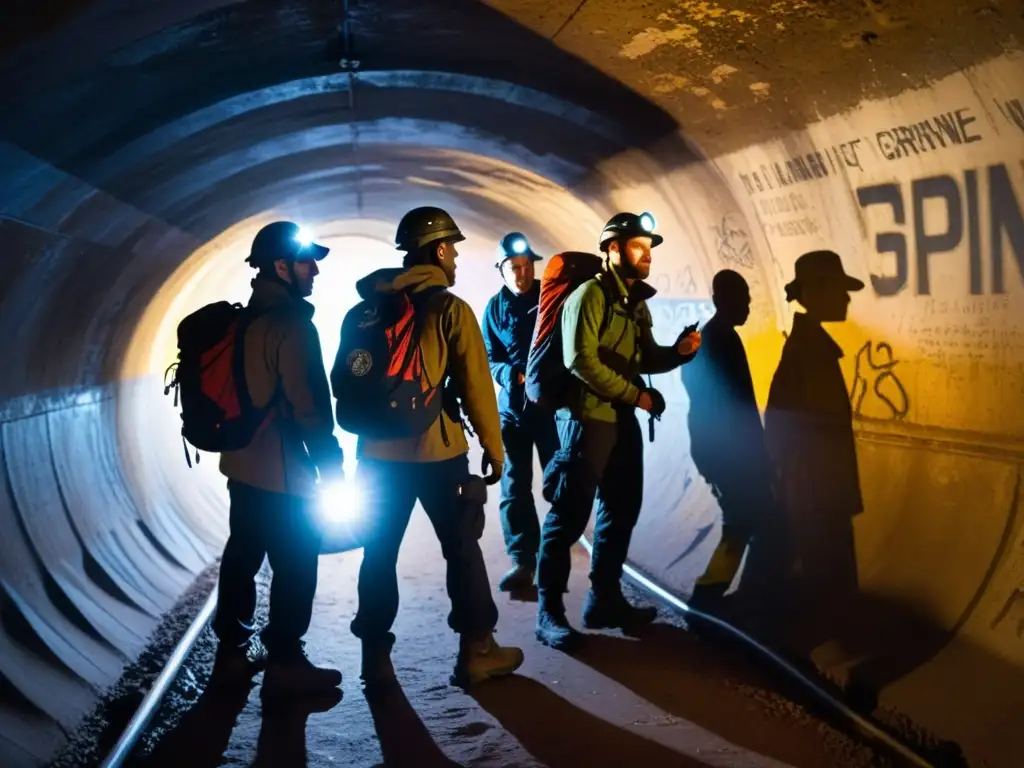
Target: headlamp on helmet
x=519 y=246
x=623 y=226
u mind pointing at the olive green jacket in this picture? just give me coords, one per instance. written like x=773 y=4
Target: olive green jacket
x=607 y=342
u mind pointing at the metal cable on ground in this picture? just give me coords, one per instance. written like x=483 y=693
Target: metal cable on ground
x=866 y=727
x=137 y=726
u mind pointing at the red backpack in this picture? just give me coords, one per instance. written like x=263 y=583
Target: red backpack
x=547 y=380
x=217 y=413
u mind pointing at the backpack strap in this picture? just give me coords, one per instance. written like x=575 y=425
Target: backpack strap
x=608 y=302
x=423 y=300
x=246 y=316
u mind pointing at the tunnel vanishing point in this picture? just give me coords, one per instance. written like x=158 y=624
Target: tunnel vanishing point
x=143 y=144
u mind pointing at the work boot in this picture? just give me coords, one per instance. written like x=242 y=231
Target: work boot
x=518 y=578
x=235 y=663
x=611 y=610
x=294 y=674
x=554 y=630
x=377 y=669
x=482 y=659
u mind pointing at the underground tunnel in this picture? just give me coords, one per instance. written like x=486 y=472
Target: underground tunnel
x=141 y=148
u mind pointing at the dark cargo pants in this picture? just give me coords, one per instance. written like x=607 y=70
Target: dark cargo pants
x=520 y=432
x=391 y=490
x=282 y=528
x=595 y=458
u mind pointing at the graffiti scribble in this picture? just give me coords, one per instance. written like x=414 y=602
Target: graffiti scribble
x=733 y=244
x=681 y=282
x=880 y=379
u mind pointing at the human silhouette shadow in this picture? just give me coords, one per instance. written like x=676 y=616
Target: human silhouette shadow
x=202 y=735
x=282 y=739
x=809 y=436
x=727 y=446
x=404 y=739
x=557 y=733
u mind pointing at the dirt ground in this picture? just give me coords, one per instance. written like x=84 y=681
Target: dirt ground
x=670 y=698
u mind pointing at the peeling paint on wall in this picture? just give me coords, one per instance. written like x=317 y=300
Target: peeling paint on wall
x=711 y=12
x=652 y=38
x=721 y=73
x=668 y=83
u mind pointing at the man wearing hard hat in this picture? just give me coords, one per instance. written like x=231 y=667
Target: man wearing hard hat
x=508 y=324
x=607 y=343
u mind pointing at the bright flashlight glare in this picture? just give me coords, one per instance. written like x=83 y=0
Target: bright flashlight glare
x=303 y=238
x=340 y=502
x=647 y=222
x=519 y=246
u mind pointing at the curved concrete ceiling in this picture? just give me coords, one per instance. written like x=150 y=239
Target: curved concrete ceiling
x=142 y=145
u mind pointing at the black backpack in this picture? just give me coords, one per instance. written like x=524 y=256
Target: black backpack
x=208 y=378
x=378 y=378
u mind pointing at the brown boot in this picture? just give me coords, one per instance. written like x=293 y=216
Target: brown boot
x=482 y=659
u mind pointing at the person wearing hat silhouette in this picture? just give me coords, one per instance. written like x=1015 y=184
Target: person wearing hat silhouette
x=272 y=481
x=508 y=324
x=809 y=436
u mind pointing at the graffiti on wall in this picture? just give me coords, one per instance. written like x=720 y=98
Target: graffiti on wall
x=933 y=133
x=680 y=283
x=921 y=232
x=928 y=216
x=958 y=334
x=787 y=215
x=1012 y=111
x=977 y=209
x=672 y=315
x=930 y=133
x=732 y=243
x=808 y=166
x=877 y=392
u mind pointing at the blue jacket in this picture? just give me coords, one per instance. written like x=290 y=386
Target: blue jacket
x=508 y=330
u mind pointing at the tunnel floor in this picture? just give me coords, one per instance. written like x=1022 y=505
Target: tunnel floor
x=668 y=698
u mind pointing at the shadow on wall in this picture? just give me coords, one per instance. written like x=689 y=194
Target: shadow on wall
x=863 y=640
x=809 y=436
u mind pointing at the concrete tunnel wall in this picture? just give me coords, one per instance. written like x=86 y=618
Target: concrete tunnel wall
x=113 y=230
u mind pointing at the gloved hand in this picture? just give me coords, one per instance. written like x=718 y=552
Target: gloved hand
x=689 y=344
x=495 y=467
x=657 y=401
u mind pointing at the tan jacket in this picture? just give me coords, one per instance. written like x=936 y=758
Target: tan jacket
x=283 y=359
x=451 y=340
